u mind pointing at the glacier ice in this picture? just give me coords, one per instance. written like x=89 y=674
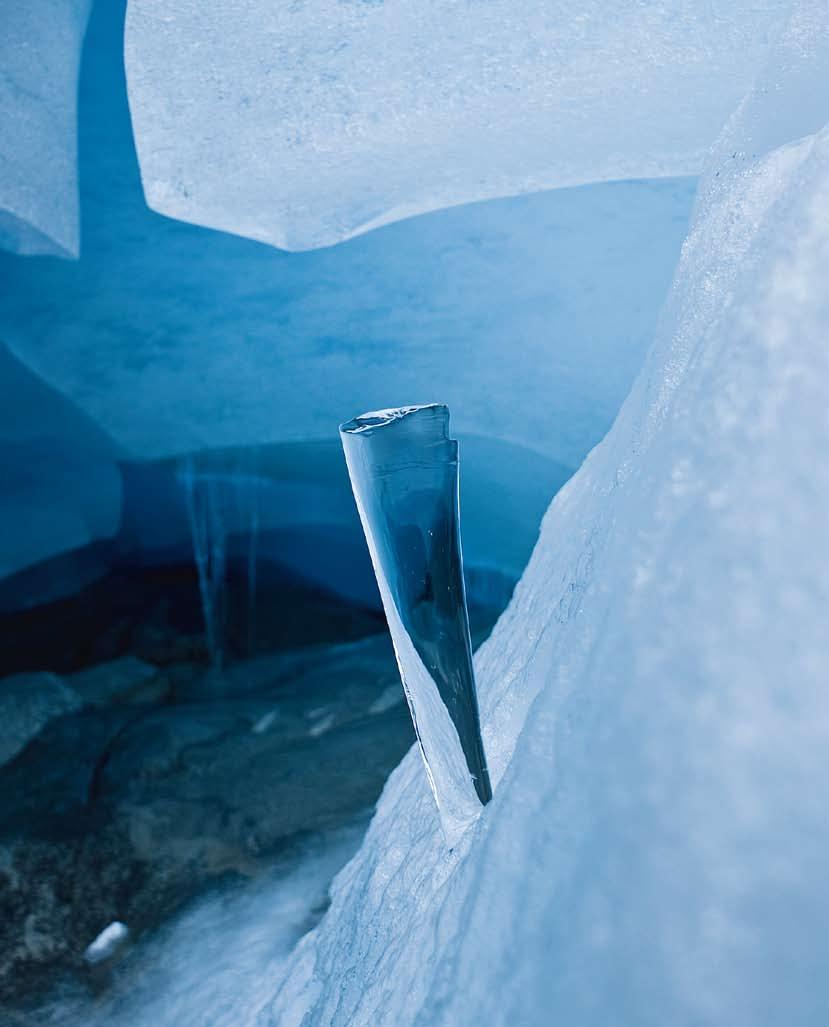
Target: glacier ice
x=654 y=700
x=303 y=124
x=40 y=53
x=404 y=471
x=175 y=339
x=61 y=483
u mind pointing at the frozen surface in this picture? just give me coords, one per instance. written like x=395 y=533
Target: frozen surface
x=213 y=965
x=61 y=488
x=40 y=52
x=654 y=700
x=304 y=124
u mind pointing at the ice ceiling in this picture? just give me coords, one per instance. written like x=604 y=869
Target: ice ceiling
x=529 y=316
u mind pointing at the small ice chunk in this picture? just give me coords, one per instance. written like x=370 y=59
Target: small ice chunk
x=107 y=943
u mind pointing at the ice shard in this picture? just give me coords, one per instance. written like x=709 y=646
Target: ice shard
x=404 y=472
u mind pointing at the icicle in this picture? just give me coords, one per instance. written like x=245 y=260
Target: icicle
x=221 y=504
x=209 y=534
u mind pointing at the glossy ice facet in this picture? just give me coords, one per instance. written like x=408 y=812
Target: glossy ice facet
x=404 y=472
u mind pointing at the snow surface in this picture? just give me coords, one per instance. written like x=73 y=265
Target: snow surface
x=40 y=53
x=654 y=699
x=304 y=124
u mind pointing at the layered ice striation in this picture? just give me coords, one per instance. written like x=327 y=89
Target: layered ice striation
x=404 y=471
x=303 y=124
x=654 y=701
x=40 y=54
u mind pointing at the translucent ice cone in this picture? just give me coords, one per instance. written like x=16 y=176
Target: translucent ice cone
x=404 y=473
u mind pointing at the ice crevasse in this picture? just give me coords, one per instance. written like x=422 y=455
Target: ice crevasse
x=654 y=699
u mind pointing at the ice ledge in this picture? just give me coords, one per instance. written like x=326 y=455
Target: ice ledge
x=301 y=125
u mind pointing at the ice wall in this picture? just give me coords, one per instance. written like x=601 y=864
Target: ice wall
x=654 y=700
x=60 y=488
x=175 y=339
x=304 y=124
x=40 y=53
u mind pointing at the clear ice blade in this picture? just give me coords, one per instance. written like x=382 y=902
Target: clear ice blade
x=404 y=472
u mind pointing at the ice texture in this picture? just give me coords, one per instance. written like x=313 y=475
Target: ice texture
x=404 y=471
x=40 y=54
x=175 y=338
x=303 y=124
x=654 y=700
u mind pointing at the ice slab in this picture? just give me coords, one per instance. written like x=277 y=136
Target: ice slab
x=654 y=700
x=303 y=124
x=40 y=53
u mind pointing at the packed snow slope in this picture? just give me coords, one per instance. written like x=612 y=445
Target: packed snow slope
x=654 y=699
x=302 y=124
x=40 y=54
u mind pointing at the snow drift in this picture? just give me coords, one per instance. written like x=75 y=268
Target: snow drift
x=654 y=699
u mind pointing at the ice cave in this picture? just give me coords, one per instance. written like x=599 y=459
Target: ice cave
x=318 y=708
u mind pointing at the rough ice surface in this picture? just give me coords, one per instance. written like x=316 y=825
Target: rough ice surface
x=404 y=471
x=304 y=124
x=40 y=53
x=654 y=700
x=61 y=484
